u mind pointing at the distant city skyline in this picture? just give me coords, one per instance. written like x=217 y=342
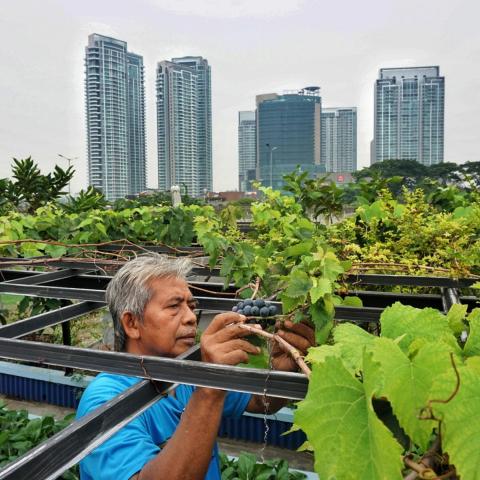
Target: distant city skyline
x=340 y=47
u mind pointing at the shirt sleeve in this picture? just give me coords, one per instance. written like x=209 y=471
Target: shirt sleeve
x=121 y=456
x=235 y=404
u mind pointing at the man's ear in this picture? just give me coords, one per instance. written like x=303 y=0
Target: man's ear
x=130 y=325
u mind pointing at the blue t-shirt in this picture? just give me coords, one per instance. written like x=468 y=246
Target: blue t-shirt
x=126 y=452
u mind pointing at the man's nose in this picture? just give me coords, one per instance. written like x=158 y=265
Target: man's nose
x=190 y=316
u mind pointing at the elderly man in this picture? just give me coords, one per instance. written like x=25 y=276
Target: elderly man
x=153 y=314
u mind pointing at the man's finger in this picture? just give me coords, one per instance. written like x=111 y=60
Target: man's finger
x=222 y=320
x=297 y=341
x=235 y=357
x=238 y=344
x=301 y=329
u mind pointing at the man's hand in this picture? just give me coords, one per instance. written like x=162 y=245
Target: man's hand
x=299 y=335
x=222 y=341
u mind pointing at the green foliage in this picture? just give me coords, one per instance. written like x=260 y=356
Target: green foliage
x=317 y=196
x=30 y=189
x=86 y=200
x=247 y=468
x=410 y=235
x=19 y=434
x=413 y=366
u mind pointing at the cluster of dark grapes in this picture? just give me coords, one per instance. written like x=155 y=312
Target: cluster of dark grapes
x=255 y=308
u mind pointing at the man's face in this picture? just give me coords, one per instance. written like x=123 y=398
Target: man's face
x=169 y=322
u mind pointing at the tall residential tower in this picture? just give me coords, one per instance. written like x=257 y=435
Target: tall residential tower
x=115 y=111
x=409 y=115
x=184 y=124
x=247 y=149
x=339 y=139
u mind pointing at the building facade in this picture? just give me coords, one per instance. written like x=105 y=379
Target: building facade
x=339 y=139
x=247 y=149
x=409 y=115
x=204 y=118
x=288 y=134
x=115 y=113
x=177 y=128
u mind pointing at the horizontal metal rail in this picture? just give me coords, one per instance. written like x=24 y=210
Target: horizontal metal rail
x=42 y=277
x=277 y=384
x=48 y=319
x=410 y=280
x=52 y=457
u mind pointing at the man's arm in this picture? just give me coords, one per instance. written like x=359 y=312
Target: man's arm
x=298 y=335
x=187 y=454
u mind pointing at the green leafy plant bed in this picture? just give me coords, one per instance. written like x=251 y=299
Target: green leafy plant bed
x=246 y=467
x=19 y=434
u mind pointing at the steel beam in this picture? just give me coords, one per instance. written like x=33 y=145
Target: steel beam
x=48 y=460
x=277 y=384
x=410 y=280
x=48 y=319
x=45 y=277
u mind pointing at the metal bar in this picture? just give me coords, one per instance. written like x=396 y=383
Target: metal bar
x=411 y=280
x=278 y=384
x=53 y=292
x=60 y=315
x=48 y=460
x=44 y=277
x=449 y=298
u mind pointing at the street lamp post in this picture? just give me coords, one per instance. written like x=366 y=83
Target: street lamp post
x=271 y=162
x=69 y=160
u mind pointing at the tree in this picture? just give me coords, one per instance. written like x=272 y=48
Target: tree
x=30 y=189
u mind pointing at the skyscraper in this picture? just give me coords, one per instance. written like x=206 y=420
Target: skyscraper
x=339 y=139
x=247 y=149
x=115 y=110
x=409 y=115
x=288 y=134
x=184 y=124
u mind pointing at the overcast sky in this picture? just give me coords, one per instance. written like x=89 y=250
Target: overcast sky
x=253 y=47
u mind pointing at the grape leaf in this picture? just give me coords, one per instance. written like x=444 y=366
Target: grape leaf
x=472 y=346
x=299 y=284
x=461 y=418
x=455 y=317
x=321 y=286
x=349 y=441
x=407 y=383
x=412 y=323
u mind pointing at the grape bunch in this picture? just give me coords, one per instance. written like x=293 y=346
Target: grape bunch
x=255 y=308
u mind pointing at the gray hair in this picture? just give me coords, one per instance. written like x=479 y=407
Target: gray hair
x=129 y=290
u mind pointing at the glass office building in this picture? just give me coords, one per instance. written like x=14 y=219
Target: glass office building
x=247 y=149
x=115 y=111
x=339 y=139
x=288 y=134
x=184 y=124
x=409 y=115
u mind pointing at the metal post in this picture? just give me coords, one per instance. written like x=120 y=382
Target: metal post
x=69 y=160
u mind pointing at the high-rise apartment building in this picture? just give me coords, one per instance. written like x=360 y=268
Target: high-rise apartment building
x=288 y=134
x=184 y=124
x=115 y=110
x=339 y=139
x=247 y=149
x=409 y=115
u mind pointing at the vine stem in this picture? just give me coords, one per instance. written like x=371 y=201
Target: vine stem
x=257 y=286
x=292 y=351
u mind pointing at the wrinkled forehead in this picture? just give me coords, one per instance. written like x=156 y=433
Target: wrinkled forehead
x=166 y=288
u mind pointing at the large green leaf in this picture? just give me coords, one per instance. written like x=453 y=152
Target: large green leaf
x=472 y=346
x=411 y=323
x=407 y=383
x=349 y=441
x=455 y=317
x=461 y=418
